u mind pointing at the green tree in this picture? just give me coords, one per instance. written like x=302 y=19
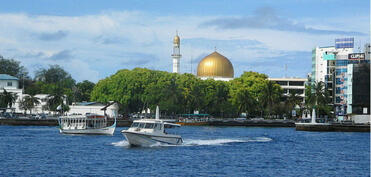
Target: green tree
x=318 y=97
x=7 y=99
x=55 y=98
x=47 y=80
x=216 y=98
x=29 y=102
x=270 y=95
x=251 y=87
x=12 y=67
x=294 y=99
x=55 y=74
x=83 y=90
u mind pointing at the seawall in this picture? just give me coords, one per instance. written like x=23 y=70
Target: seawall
x=51 y=122
x=335 y=127
x=255 y=123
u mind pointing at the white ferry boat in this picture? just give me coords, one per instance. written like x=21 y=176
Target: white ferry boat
x=147 y=132
x=89 y=124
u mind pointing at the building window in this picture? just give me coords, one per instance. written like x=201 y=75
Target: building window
x=281 y=82
x=296 y=83
x=10 y=84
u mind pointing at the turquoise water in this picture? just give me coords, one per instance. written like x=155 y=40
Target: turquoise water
x=207 y=151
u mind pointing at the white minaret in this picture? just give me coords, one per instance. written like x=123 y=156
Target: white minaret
x=176 y=54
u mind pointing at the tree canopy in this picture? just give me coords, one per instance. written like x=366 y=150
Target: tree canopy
x=140 y=88
x=13 y=68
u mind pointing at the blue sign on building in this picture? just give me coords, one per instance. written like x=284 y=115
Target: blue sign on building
x=344 y=43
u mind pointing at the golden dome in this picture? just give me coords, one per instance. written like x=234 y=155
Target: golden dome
x=215 y=65
x=176 y=40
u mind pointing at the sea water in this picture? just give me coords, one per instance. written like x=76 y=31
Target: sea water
x=206 y=151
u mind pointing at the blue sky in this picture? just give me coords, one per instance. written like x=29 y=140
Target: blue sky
x=92 y=39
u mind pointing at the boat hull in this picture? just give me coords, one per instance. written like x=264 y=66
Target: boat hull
x=98 y=131
x=142 y=139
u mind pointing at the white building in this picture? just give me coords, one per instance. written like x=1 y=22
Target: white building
x=11 y=84
x=323 y=61
x=290 y=85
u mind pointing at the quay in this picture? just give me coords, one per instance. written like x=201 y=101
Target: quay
x=50 y=122
x=329 y=127
x=254 y=123
x=333 y=127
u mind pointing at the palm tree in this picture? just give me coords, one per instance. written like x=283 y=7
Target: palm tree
x=294 y=100
x=269 y=96
x=56 y=98
x=7 y=99
x=317 y=97
x=29 y=102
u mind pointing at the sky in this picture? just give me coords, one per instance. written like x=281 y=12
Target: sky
x=93 y=39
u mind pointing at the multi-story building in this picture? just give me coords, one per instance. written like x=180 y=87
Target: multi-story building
x=335 y=66
x=290 y=85
x=358 y=93
x=329 y=65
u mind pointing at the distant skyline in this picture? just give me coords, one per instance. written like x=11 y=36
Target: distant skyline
x=92 y=39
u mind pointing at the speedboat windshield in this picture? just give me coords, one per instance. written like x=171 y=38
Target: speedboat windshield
x=149 y=125
x=135 y=124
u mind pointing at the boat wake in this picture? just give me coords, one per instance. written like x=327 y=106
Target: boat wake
x=122 y=143
x=200 y=142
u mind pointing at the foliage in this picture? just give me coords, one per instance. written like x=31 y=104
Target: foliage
x=253 y=93
x=29 y=102
x=12 y=67
x=82 y=91
x=7 y=99
x=139 y=89
x=318 y=97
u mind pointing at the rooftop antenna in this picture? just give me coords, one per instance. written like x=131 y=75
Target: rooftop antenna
x=215 y=48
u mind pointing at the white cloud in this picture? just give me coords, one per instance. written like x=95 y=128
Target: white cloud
x=94 y=46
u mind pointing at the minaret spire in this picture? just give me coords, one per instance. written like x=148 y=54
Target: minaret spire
x=176 y=54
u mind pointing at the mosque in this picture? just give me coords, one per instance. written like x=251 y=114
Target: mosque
x=214 y=66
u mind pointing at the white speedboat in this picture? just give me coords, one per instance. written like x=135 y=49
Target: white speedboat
x=90 y=124
x=148 y=132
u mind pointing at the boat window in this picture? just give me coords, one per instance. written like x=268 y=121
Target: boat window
x=149 y=125
x=141 y=125
x=135 y=124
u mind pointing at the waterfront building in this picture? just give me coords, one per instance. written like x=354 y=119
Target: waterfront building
x=215 y=66
x=358 y=93
x=11 y=84
x=291 y=85
x=176 y=54
x=331 y=64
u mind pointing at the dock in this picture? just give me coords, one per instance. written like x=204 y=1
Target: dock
x=332 y=127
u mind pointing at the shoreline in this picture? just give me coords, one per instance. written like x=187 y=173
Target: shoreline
x=334 y=127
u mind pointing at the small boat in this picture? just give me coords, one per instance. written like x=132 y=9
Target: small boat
x=148 y=132
x=89 y=124
x=193 y=119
